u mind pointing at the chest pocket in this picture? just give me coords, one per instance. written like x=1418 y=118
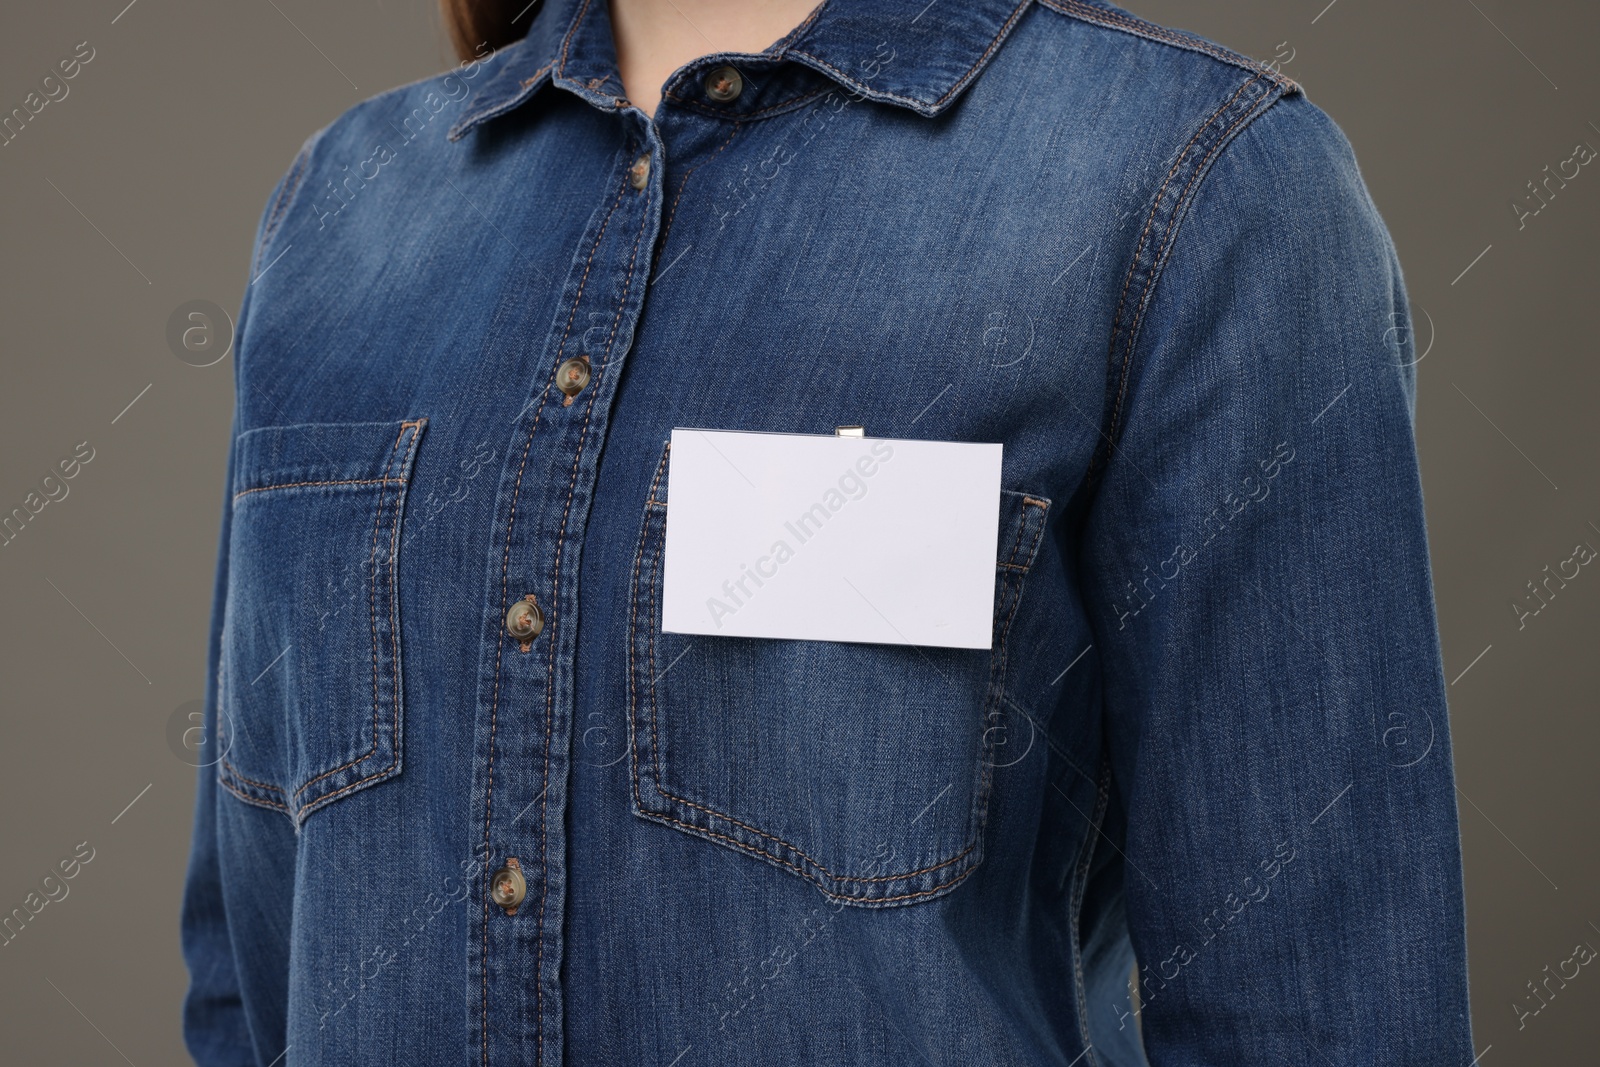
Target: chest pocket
x=310 y=680
x=863 y=768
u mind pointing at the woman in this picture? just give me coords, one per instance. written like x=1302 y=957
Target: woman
x=476 y=801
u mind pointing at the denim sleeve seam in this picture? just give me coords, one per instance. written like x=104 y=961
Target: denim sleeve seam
x=1080 y=882
x=285 y=194
x=278 y=206
x=1192 y=165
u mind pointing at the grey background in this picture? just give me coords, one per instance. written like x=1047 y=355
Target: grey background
x=140 y=191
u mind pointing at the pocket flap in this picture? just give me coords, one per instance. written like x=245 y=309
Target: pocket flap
x=323 y=455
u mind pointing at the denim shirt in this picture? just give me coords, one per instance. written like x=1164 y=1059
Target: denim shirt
x=1207 y=748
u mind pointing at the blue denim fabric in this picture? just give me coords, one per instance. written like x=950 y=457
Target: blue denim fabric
x=1208 y=747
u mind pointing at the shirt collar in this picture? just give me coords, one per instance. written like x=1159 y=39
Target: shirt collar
x=909 y=53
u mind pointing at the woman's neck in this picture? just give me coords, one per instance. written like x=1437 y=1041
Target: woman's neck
x=656 y=37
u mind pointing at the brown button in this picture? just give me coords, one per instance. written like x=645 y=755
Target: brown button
x=724 y=84
x=508 y=888
x=524 y=621
x=572 y=376
x=639 y=173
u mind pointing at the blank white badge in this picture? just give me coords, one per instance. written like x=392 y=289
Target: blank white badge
x=831 y=538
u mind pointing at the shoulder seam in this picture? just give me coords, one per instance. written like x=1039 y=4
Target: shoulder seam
x=1170 y=204
x=287 y=187
x=1137 y=27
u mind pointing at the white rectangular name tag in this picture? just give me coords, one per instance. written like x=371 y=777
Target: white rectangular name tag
x=831 y=538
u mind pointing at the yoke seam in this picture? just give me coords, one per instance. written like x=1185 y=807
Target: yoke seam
x=1125 y=335
x=1138 y=27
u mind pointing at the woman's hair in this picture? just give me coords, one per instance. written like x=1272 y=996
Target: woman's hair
x=473 y=23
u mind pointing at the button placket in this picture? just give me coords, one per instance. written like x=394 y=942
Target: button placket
x=525 y=716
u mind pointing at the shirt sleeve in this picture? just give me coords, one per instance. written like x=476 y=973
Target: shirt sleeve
x=1255 y=567
x=215 y=1025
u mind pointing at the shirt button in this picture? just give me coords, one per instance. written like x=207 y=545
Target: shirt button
x=572 y=376
x=508 y=888
x=639 y=173
x=524 y=621
x=724 y=84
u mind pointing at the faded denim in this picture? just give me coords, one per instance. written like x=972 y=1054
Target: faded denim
x=1210 y=735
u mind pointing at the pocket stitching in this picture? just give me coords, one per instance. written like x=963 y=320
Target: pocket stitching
x=1011 y=561
x=741 y=846
x=660 y=788
x=234 y=772
x=415 y=428
x=385 y=480
x=997 y=686
x=262 y=802
x=985 y=787
x=372 y=611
